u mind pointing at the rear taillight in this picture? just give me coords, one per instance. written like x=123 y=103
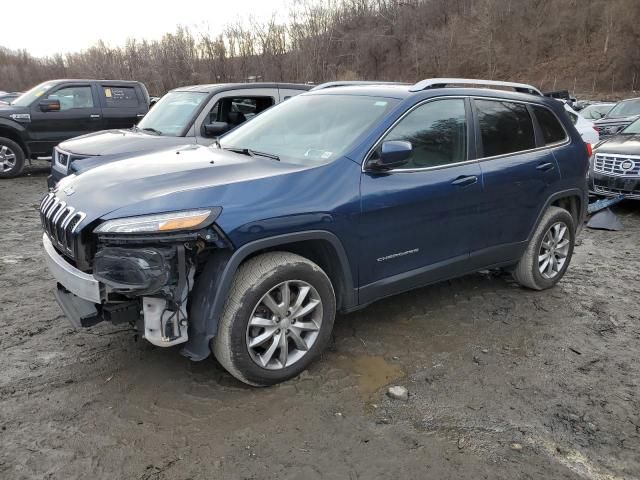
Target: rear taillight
x=589 y=149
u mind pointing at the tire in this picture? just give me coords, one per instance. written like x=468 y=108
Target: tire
x=530 y=268
x=11 y=158
x=273 y=274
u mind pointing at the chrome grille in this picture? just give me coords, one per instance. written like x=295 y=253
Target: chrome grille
x=617 y=165
x=60 y=157
x=614 y=192
x=60 y=221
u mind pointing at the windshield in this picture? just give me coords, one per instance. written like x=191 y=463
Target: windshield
x=173 y=113
x=595 y=112
x=632 y=129
x=625 y=108
x=309 y=129
x=29 y=96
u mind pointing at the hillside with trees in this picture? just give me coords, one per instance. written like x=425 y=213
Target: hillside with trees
x=589 y=46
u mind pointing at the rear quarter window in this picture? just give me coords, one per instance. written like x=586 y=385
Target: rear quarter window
x=120 y=97
x=552 y=130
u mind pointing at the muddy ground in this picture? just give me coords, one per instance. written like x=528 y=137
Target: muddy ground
x=504 y=382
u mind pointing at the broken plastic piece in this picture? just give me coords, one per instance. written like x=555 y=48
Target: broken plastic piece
x=603 y=203
x=605 y=220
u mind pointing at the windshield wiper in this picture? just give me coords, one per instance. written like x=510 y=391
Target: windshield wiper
x=252 y=153
x=152 y=130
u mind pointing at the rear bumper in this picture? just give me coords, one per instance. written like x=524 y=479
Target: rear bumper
x=81 y=284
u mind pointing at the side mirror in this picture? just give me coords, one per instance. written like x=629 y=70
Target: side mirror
x=393 y=154
x=216 y=128
x=49 y=105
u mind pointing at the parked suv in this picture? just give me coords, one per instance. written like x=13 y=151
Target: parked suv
x=326 y=203
x=32 y=124
x=197 y=114
x=615 y=165
x=622 y=115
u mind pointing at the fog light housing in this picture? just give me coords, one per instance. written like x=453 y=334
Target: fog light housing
x=133 y=270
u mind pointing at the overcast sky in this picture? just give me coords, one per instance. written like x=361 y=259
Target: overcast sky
x=47 y=27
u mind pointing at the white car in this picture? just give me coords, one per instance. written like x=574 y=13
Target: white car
x=585 y=127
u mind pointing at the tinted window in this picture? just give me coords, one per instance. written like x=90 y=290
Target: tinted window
x=505 y=127
x=120 y=97
x=552 y=131
x=437 y=132
x=73 y=97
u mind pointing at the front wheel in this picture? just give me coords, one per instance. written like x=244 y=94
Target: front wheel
x=549 y=252
x=11 y=158
x=277 y=319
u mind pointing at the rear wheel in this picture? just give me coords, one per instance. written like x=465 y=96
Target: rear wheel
x=11 y=158
x=277 y=319
x=549 y=251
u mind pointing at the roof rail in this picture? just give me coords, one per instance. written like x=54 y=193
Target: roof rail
x=351 y=83
x=443 y=82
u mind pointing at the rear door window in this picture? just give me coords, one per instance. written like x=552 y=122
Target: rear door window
x=505 y=127
x=552 y=131
x=119 y=97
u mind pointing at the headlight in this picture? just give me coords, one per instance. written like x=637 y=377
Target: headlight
x=163 y=222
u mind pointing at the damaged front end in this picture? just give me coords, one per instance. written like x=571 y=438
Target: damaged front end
x=137 y=270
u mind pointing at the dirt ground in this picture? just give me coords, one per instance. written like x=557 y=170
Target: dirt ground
x=503 y=382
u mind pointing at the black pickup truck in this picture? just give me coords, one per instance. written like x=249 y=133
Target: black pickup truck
x=54 y=111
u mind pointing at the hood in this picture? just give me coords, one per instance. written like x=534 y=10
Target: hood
x=115 y=142
x=6 y=109
x=616 y=120
x=175 y=179
x=620 y=145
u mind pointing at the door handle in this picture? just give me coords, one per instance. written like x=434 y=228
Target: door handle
x=545 y=166
x=464 y=180
x=94 y=115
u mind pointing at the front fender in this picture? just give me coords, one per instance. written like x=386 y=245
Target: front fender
x=212 y=286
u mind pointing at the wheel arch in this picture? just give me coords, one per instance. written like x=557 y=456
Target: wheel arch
x=320 y=246
x=8 y=131
x=573 y=200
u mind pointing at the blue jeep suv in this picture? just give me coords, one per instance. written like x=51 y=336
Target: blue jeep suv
x=325 y=203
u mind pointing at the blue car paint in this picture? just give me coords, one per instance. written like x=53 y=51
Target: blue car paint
x=439 y=230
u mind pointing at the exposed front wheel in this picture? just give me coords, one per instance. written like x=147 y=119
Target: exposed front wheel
x=549 y=251
x=11 y=158
x=277 y=319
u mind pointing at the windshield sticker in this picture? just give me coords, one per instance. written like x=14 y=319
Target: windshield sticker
x=380 y=104
x=39 y=93
x=107 y=92
x=326 y=155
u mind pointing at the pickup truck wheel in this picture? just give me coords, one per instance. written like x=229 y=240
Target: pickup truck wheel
x=11 y=158
x=549 y=251
x=277 y=319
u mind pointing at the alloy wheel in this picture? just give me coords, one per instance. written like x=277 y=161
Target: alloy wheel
x=7 y=158
x=554 y=250
x=284 y=325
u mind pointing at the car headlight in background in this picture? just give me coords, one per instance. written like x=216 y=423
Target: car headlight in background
x=163 y=222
